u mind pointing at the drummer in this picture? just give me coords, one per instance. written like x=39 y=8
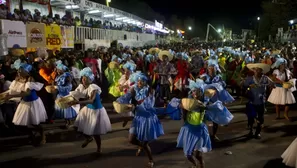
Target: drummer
x=256 y=90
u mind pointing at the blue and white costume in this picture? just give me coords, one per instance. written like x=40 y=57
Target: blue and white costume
x=217 y=83
x=145 y=125
x=30 y=110
x=64 y=87
x=91 y=119
x=194 y=133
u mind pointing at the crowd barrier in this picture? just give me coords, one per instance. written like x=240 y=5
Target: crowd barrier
x=39 y=35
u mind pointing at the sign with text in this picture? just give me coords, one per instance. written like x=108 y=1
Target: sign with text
x=158 y=25
x=16 y=33
x=67 y=33
x=35 y=35
x=53 y=37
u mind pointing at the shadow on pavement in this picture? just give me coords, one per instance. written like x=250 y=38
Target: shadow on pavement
x=277 y=163
x=288 y=130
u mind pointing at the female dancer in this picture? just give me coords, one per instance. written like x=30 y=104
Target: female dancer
x=279 y=95
x=31 y=110
x=64 y=86
x=125 y=84
x=214 y=78
x=145 y=125
x=194 y=137
x=92 y=120
x=290 y=155
x=113 y=74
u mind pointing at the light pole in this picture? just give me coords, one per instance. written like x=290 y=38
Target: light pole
x=107 y=2
x=258 y=18
x=258 y=29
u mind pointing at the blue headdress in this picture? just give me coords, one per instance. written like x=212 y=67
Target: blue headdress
x=130 y=66
x=87 y=72
x=116 y=58
x=198 y=84
x=249 y=59
x=185 y=56
x=214 y=63
x=26 y=67
x=279 y=62
x=220 y=50
x=138 y=76
x=61 y=66
x=149 y=57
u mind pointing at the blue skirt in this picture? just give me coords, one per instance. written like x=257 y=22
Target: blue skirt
x=146 y=126
x=192 y=138
x=218 y=113
x=67 y=114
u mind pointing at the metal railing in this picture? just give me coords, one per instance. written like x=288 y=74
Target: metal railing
x=82 y=33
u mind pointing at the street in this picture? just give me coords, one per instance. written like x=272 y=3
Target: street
x=63 y=148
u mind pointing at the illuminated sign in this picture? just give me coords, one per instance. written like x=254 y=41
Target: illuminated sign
x=158 y=25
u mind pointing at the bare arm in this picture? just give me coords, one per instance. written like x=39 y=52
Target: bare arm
x=90 y=100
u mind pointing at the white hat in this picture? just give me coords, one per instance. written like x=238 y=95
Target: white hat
x=264 y=67
x=167 y=53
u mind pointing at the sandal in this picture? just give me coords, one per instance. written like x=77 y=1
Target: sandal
x=150 y=164
x=87 y=141
x=139 y=151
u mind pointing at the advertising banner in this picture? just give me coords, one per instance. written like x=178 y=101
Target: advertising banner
x=35 y=35
x=67 y=33
x=16 y=33
x=53 y=37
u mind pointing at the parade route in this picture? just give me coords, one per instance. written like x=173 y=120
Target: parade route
x=63 y=149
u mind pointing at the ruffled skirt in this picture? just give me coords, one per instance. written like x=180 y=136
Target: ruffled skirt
x=93 y=122
x=192 y=138
x=30 y=113
x=218 y=113
x=281 y=96
x=290 y=155
x=146 y=127
x=67 y=114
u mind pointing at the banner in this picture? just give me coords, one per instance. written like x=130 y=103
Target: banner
x=16 y=33
x=67 y=33
x=35 y=35
x=53 y=37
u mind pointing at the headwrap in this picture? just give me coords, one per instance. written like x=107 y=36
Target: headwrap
x=125 y=56
x=214 y=63
x=18 y=64
x=87 y=72
x=61 y=66
x=249 y=59
x=198 y=84
x=278 y=62
x=149 y=57
x=135 y=77
x=220 y=50
x=130 y=66
x=116 y=58
x=185 y=56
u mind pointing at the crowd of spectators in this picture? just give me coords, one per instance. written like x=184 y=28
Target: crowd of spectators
x=68 y=19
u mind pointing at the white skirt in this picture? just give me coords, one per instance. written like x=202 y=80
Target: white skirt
x=290 y=155
x=281 y=96
x=30 y=113
x=93 y=122
x=129 y=114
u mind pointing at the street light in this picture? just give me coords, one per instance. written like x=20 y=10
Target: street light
x=219 y=30
x=190 y=28
x=258 y=18
x=107 y=2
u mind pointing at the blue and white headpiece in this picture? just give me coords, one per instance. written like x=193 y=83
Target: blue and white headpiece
x=214 y=63
x=130 y=66
x=26 y=67
x=220 y=50
x=116 y=58
x=125 y=56
x=87 y=72
x=279 y=62
x=198 y=84
x=267 y=53
x=185 y=56
x=61 y=66
x=249 y=59
x=135 y=77
x=149 y=57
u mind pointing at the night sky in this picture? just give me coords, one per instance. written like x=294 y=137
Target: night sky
x=234 y=15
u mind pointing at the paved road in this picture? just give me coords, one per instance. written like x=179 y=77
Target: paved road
x=63 y=148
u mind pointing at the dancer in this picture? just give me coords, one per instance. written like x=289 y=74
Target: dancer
x=281 y=96
x=145 y=125
x=92 y=120
x=30 y=110
x=113 y=74
x=256 y=85
x=125 y=84
x=290 y=155
x=213 y=77
x=64 y=86
x=194 y=137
